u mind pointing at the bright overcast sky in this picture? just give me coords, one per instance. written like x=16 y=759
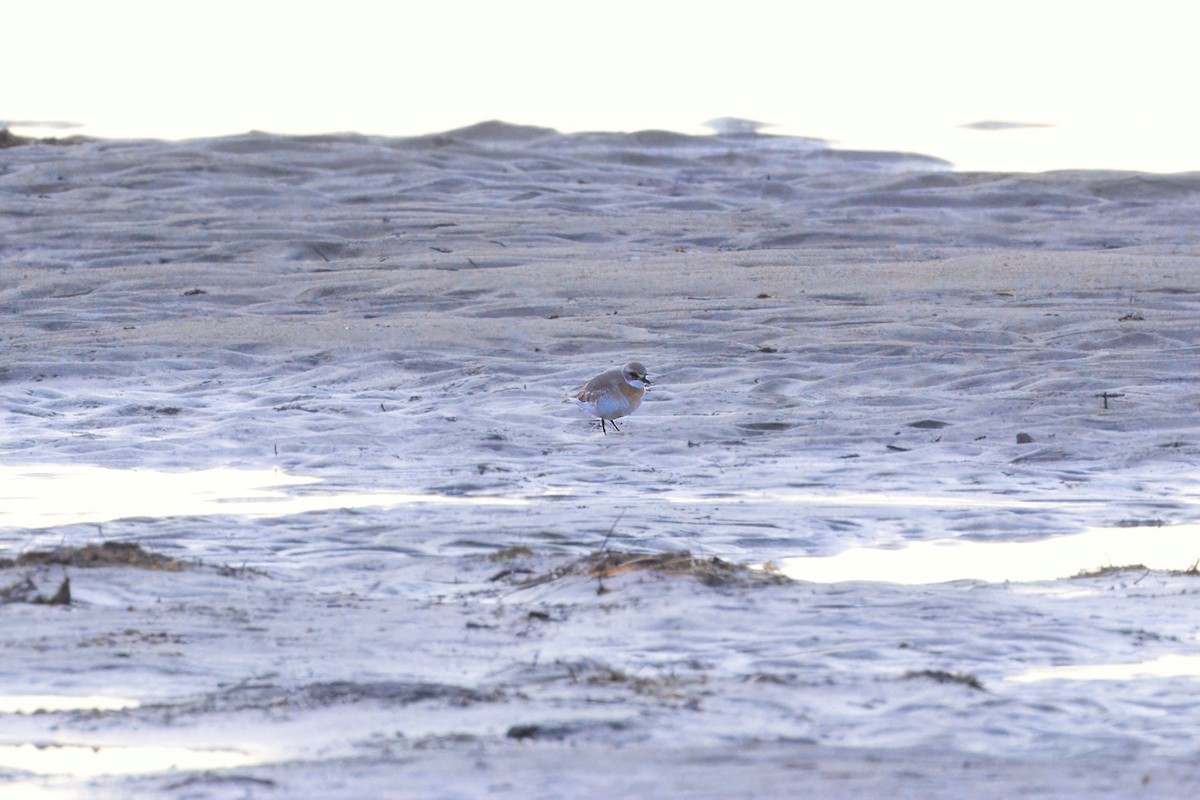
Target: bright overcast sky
x=1114 y=79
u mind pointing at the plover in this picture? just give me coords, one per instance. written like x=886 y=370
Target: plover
x=614 y=393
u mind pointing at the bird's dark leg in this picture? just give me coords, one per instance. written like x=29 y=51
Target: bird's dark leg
x=603 y=429
x=613 y=422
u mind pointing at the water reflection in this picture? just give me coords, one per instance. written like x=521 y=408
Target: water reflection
x=1168 y=666
x=45 y=496
x=1174 y=547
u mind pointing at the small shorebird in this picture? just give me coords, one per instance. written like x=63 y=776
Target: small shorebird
x=614 y=393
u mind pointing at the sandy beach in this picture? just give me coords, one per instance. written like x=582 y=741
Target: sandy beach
x=288 y=417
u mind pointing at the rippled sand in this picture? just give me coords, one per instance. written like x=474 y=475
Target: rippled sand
x=326 y=376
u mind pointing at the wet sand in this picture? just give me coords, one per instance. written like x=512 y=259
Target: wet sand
x=326 y=375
